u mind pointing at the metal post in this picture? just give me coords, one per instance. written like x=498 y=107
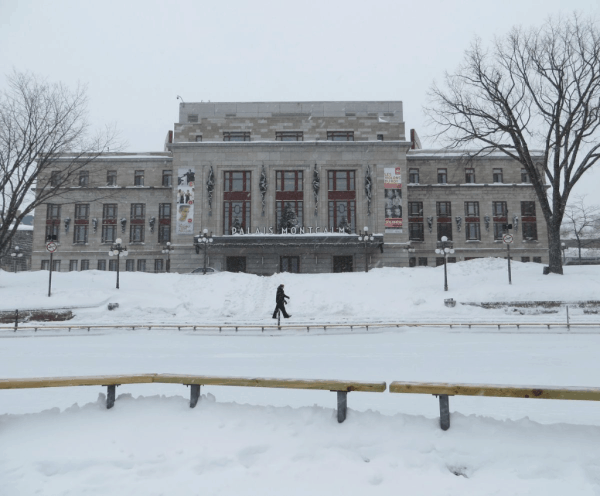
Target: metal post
x=508 y=257
x=194 y=394
x=568 y=324
x=50 y=276
x=279 y=319
x=16 y=320
x=169 y=261
x=366 y=258
x=205 y=247
x=118 y=258
x=342 y=404
x=110 y=396
x=445 y=274
x=444 y=412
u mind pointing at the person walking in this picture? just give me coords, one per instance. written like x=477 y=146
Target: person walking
x=280 y=299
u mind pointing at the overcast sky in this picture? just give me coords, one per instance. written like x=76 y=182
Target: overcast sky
x=137 y=56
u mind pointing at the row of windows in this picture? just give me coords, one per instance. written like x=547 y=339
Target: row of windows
x=56 y=178
x=424 y=261
x=442 y=176
x=130 y=265
x=416 y=221
x=287 y=136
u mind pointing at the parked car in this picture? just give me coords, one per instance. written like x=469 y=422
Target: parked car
x=209 y=271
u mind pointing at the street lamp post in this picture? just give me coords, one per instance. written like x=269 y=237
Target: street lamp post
x=364 y=236
x=115 y=250
x=203 y=241
x=445 y=249
x=563 y=247
x=16 y=254
x=167 y=251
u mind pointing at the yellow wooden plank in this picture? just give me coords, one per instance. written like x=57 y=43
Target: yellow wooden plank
x=100 y=380
x=497 y=390
x=328 y=385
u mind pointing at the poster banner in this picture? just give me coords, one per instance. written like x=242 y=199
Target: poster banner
x=185 y=200
x=392 y=184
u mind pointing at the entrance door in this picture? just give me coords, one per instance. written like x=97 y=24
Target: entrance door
x=290 y=264
x=236 y=264
x=342 y=263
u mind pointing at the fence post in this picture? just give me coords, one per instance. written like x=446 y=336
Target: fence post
x=568 y=323
x=342 y=404
x=16 y=320
x=444 y=412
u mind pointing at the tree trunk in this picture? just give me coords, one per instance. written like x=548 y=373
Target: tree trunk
x=554 y=248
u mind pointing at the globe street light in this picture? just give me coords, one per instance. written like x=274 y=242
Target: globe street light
x=364 y=236
x=167 y=251
x=203 y=241
x=116 y=250
x=16 y=255
x=445 y=249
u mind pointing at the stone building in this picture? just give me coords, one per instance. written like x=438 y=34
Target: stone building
x=290 y=187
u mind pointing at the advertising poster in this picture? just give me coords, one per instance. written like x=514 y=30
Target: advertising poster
x=186 y=179
x=392 y=183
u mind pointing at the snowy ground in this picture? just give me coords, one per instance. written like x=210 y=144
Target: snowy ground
x=270 y=441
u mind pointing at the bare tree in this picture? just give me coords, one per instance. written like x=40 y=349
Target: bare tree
x=581 y=223
x=40 y=125
x=535 y=88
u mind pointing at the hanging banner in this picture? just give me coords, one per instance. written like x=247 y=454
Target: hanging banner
x=185 y=200
x=392 y=184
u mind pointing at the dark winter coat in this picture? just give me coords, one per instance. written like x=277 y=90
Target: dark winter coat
x=280 y=296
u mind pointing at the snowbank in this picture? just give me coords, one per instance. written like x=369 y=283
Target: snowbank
x=402 y=294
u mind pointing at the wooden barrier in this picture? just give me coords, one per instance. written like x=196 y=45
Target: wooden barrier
x=342 y=388
x=444 y=390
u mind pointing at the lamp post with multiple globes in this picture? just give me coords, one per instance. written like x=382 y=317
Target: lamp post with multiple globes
x=203 y=241
x=116 y=250
x=167 y=249
x=445 y=249
x=364 y=236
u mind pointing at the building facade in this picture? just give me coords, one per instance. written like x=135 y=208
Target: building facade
x=271 y=187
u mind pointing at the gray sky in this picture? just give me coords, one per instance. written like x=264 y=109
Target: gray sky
x=137 y=56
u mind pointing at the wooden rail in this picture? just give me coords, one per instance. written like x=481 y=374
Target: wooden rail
x=307 y=327
x=444 y=390
x=342 y=388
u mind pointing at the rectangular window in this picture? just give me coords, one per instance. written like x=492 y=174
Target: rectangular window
x=498 y=231
x=413 y=176
x=415 y=209
x=340 y=180
x=472 y=231
x=422 y=261
x=289 y=135
x=525 y=259
x=444 y=229
x=45 y=264
x=109 y=233
x=289 y=198
x=237 y=202
x=290 y=264
x=471 y=209
x=198 y=138
x=56 y=266
x=52 y=232
x=499 y=209
x=52 y=222
x=497 y=176
x=55 y=178
x=52 y=212
x=101 y=264
x=80 y=234
x=158 y=265
x=289 y=181
x=442 y=176
x=235 y=264
x=527 y=209
x=82 y=211
x=416 y=231
x=72 y=265
x=340 y=135
x=342 y=263
x=530 y=231
x=164 y=233
x=289 y=214
x=141 y=265
x=112 y=265
x=537 y=259
x=111 y=178
x=129 y=265
x=136 y=233
x=525 y=176
x=138 y=179
x=439 y=261
x=412 y=262
x=470 y=176
x=164 y=211
x=236 y=136
x=167 y=178
x=85 y=265
x=84 y=178
x=342 y=215
x=192 y=117
x=380 y=137
x=138 y=211
x=443 y=209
